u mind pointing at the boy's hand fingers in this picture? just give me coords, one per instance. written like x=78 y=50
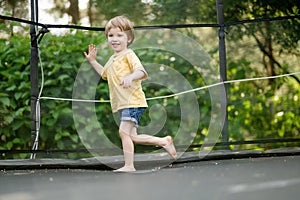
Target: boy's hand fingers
x=122 y=83
x=92 y=47
x=125 y=84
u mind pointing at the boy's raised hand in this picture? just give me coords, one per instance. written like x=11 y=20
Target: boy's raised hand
x=92 y=53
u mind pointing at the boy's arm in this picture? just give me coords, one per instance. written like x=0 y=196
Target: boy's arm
x=91 y=57
x=98 y=67
x=136 y=75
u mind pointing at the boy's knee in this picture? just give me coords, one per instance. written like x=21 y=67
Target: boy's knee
x=123 y=133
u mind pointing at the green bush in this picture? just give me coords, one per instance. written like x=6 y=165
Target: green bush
x=255 y=110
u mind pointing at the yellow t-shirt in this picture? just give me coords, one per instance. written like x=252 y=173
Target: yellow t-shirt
x=117 y=67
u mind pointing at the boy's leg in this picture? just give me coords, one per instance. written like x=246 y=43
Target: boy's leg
x=128 y=147
x=165 y=142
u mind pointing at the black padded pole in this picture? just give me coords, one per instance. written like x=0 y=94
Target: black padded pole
x=34 y=69
x=222 y=58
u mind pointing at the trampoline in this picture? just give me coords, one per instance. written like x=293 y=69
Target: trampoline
x=272 y=177
x=210 y=165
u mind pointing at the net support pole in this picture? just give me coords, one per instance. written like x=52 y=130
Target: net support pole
x=34 y=70
x=223 y=74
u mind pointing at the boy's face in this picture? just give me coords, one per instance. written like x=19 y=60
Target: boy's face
x=117 y=39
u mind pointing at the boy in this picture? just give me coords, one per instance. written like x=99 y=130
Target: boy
x=124 y=73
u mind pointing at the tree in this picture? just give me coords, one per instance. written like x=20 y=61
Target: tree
x=267 y=34
x=13 y=8
x=158 y=12
x=61 y=7
x=254 y=107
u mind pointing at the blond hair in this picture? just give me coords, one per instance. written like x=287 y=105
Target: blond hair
x=124 y=24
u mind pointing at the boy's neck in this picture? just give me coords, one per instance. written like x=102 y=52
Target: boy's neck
x=120 y=52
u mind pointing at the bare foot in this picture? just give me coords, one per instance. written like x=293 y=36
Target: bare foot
x=170 y=148
x=125 y=169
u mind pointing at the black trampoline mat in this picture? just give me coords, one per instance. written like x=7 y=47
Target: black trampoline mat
x=261 y=178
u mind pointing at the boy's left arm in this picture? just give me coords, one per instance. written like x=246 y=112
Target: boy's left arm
x=138 y=74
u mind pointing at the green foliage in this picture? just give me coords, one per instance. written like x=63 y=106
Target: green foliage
x=62 y=57
x=255 y=112
x=15 y=93
x=236 y=10
x=158 y=12
x=258 y=112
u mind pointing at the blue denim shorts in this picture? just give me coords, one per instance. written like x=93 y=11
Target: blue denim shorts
x=132 y=114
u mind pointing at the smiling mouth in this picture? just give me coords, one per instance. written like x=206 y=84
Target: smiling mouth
x=115 y=45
